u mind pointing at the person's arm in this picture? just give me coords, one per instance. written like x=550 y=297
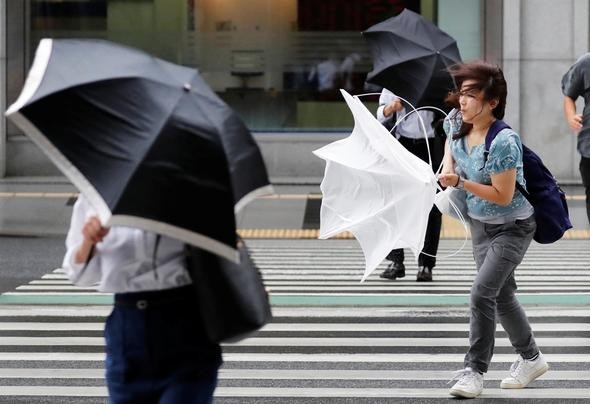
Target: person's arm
x=504 y=156
x=448 y=162
x=388 y=105
x=500 y=192
x=573 y=119
x=79 y=264
x=93 y=232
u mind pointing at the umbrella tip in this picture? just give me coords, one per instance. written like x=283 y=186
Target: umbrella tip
x=187 y=87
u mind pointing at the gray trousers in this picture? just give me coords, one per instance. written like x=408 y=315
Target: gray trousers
x=497 y=250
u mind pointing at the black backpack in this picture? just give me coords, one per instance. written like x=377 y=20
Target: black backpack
x=543 y=192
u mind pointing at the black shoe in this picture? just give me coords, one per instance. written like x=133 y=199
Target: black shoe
x=394 y=270
x=424 y=274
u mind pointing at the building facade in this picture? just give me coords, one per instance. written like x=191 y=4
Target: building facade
x=280 y=63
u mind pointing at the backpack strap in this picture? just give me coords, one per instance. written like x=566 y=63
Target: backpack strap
x=493 y=131
x=523 y=191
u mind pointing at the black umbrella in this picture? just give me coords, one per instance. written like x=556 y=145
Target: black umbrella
x=146 y=141
x=410 y=58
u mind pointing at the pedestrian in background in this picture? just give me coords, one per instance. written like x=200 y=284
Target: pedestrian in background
x=327 y=76
x=156 y=348
x=410 y=134
x=576 y=83
x=501 y=223
x=347 y=71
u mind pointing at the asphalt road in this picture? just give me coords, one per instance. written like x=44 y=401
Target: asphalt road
x=23 y=259
x=312 y=349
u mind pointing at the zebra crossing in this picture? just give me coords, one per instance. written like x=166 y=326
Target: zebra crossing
x=332 y=339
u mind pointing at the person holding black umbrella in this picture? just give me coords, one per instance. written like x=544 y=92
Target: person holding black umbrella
x=410 y=133
x=148 y=144
x=156 y=347
x=410 y=57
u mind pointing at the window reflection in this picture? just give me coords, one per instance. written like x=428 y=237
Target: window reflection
x=278 y=63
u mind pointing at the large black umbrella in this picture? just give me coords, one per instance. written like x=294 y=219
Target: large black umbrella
x=410 y=58
x=146 y=141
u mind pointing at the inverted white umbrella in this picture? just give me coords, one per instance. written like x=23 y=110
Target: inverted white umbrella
x=375 y=188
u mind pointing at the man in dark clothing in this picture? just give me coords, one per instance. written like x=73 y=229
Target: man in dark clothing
x=575 y=83
x=410 y=134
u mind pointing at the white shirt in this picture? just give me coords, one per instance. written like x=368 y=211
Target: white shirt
x=124 y=261
x=347 y=69
x=410 y=126
x=327 y=72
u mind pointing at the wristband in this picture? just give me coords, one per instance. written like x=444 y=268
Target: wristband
x=460 y=183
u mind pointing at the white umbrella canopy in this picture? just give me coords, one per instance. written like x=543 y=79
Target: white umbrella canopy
x=375 y=188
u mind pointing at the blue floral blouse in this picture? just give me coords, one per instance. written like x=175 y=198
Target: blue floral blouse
x=505 y=153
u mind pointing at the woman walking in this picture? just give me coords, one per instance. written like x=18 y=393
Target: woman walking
x=501 y=223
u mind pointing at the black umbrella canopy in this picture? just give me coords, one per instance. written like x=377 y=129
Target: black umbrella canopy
x=146 y=141
x=247 y=169
x=410 y=58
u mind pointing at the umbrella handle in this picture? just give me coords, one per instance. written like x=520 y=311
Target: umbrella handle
x=463 y=222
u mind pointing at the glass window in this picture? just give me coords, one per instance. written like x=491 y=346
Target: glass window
x=461 y=19
x=278 y=63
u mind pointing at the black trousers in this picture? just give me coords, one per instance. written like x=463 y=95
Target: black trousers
x=157 y=350
x=585 y=172
x=419 y=149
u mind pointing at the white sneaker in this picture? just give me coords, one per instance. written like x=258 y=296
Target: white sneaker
x=524 y=371
x=469 y=384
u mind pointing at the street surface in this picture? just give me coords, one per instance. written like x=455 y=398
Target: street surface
x=332 y=340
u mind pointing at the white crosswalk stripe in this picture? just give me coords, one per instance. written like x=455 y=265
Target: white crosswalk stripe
x=314 y=352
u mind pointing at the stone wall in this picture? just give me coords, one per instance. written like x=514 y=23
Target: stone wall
x=541 y=39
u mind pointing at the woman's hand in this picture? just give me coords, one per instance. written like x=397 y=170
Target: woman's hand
x=93 y=232
x=448 y=180
x=500 y=192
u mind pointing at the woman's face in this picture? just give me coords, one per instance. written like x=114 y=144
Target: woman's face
x=473 y=106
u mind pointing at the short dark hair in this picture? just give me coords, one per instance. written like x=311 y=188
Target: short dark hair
x=487 y=77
